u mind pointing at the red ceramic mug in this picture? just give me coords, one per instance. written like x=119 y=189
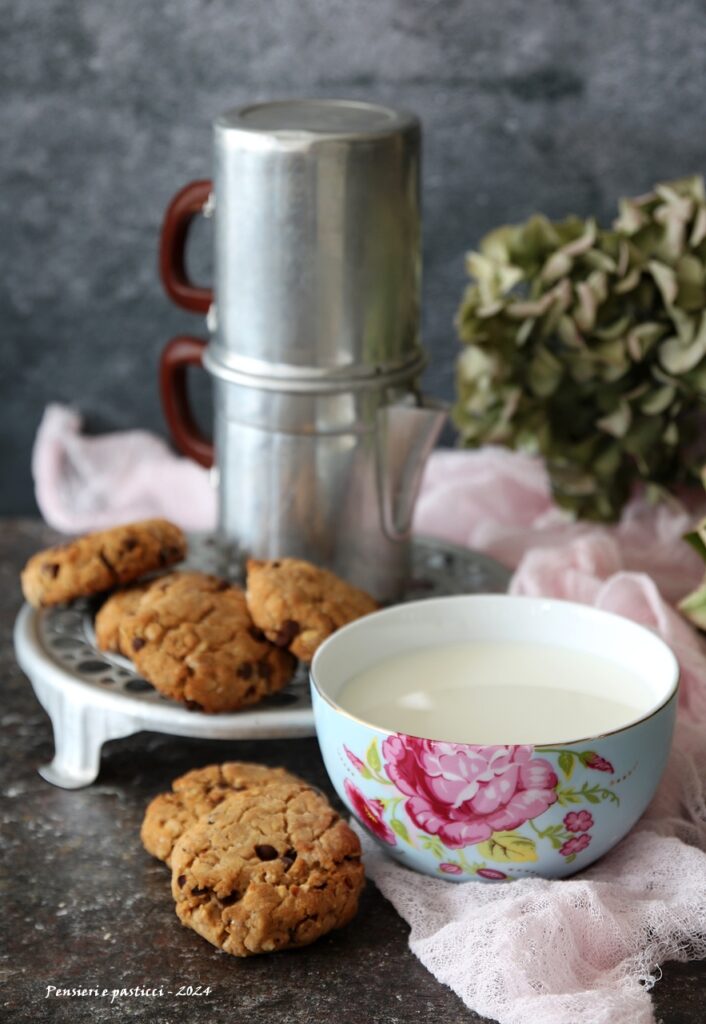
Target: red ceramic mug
x=184 y=350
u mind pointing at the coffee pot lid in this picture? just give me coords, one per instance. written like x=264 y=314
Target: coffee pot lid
x=319 y=118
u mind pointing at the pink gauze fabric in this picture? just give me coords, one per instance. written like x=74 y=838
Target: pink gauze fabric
x=581 y=951
x=499 y=502
x=90 y=483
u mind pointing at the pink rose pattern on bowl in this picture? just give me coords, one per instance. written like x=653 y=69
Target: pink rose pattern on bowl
x=463 y=794
x=370 y=813
x=471 y=805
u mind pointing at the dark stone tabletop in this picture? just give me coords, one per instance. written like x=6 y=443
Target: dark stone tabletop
x=83 y=906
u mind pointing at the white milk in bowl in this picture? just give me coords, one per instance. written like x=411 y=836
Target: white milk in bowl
x=485 y=693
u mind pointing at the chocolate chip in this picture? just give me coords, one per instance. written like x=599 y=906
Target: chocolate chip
x=286 y=633
x=244 y=671
x=138 y=643
x=256 y=634
x=168 y=553
x=130 y=544
x=51 y=569
x=250 y=691
x=230 y=899
x=223 y=585
x=264 y=669
x=288 y=858
x=193 y=705
x=276 y=565
x=180 y=880
x=266 y=852
x=108 y=564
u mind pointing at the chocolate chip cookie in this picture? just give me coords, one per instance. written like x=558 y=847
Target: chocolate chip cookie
x=197 y=793
x=114 y=615
x=267 y=870
x=101 y=561
x=298 y=605
x=192 y=637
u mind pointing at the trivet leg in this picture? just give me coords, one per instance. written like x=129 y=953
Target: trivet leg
x=79 y=733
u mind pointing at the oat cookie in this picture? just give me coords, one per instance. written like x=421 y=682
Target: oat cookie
x=266 y=870
x=181 y=584
x=113 y=616
x=193 y=639
x=298 y=605
x=101 y=561
x=197 y=793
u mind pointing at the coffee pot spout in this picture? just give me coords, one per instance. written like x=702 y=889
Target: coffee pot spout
x=406 y=435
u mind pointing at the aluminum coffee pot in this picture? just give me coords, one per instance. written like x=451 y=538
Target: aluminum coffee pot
x=320 y=434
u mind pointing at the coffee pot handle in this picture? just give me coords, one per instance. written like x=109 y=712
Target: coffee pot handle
x=180 y=353
x=190 y=201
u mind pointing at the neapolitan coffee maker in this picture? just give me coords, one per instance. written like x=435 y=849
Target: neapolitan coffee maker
x=320 y=434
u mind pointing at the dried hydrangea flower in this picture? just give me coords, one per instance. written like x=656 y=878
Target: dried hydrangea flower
x=588 y=346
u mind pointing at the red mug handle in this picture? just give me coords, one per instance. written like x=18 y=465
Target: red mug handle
x=185 y=205
x=180 y=353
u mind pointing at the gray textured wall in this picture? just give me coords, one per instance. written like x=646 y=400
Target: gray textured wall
x=553 y=105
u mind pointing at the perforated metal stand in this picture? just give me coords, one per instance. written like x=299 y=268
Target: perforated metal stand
x=92 y=697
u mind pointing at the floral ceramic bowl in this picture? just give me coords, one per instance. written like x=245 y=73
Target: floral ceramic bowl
x=497 y=812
